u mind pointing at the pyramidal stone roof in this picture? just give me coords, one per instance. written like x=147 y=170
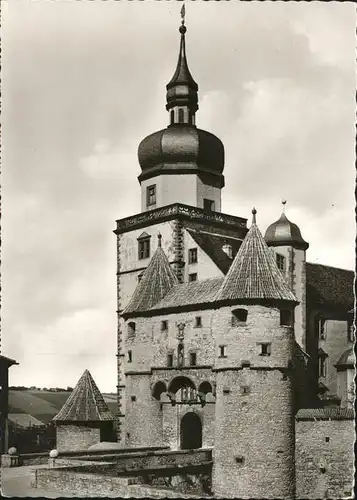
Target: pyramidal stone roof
x=156 y=281
x=254 y=273
x=85 y=404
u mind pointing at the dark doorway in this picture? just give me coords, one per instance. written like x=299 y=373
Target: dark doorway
x=191 y=432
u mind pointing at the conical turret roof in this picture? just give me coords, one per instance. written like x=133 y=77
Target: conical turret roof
x=85 y=404
x=157 y=280
x=254 y=273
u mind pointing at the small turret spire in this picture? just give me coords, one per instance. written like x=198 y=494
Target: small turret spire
x=254 y=219
x=283 y=202
x=159 y=237
x=182 y=89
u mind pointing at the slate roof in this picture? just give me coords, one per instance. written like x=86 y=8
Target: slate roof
x=85 y=404
x=196 y=292
x=329 y=412
x=157 y=280
x=212 y=245
x=329 y=286
x=254 y=273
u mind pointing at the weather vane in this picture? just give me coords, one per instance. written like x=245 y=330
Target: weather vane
x=183 y=13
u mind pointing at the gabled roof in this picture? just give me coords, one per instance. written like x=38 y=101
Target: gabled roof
x=212 y=245
x=157 y=280
x=186 y=294
x=329 y=286
x=25 y=420
x=85 y=404
x=7 y=361
x=327 y=413
x=254 y=273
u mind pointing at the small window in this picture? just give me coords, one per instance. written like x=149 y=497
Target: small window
x=192 y=256
x=265 y=349
x=280 y=262
x=130 y=356
x=322 y=366
x=192 y=277
x=131 y=328
x=222 y=351
x=351 y=332
x=172 y=115
x=239 y=460
x=151 y=195
x=208 y=205
x=327 y=439
x=180 y=355
x=180 y=115
x=170 y=360
x=133 y=398
x=239 y=316
x=286 y=317
x=144 y=248
x=245 y=390
x=193 y=358
x=322 y=330
x=198 y=322
x=164 y=325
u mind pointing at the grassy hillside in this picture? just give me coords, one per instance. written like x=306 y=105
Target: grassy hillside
x=45 y=405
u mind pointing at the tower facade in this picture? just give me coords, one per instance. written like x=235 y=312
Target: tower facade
x=254 y=422
x=285 y=240
x=181 y=181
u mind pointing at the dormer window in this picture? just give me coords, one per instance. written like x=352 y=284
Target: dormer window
x=151 y=195
x=280 y=262
x=239 y=316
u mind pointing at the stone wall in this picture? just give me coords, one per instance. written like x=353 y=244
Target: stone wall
x=324 y=458
x=76 y=436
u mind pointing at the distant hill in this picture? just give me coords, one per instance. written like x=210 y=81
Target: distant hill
x=44 y=405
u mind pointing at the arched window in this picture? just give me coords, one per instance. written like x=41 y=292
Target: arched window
x=205 y=388
x=239 y=316
x=180 y=355
x=181 y=115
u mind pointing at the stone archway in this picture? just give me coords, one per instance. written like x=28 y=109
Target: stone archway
x=190 y=431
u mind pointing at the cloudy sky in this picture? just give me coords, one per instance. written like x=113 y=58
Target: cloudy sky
x=84 y=82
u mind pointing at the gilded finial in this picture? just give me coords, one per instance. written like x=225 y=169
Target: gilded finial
x=159 y=237
x=254 y=212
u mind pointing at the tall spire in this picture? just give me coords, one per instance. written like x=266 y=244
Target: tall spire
x=182 y=89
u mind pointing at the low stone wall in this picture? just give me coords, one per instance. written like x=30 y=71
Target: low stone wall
x=101 y=485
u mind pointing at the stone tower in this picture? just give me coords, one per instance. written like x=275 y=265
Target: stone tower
x=181 y=181
x=254 y=336
x=284 y=237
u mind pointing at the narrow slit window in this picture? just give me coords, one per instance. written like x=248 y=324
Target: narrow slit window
x=265 y=349
x=198 y=322
x=170 y=360
x=164 y=325
x=130 y=356
x=193 y=359
x=222 y=351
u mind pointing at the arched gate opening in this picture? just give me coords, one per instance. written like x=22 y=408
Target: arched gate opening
x=190 y=432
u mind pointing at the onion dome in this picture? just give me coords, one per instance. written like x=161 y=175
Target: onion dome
x=182 y=148
x=254 y=274
x=346 y=360
x=283 y=232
